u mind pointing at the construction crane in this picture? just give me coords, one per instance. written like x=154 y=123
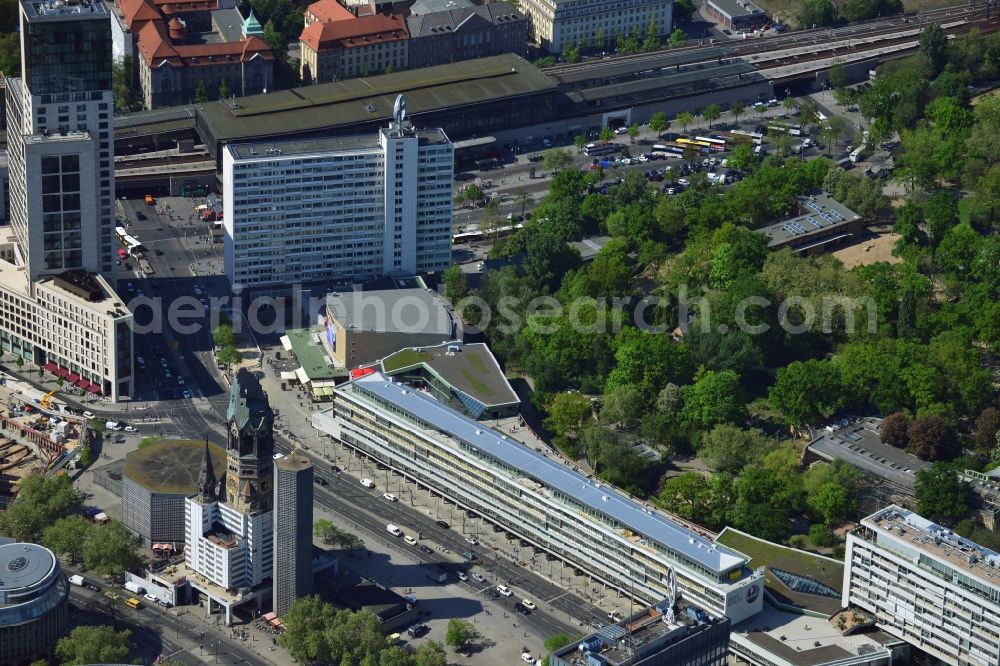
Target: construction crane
x=47 y=400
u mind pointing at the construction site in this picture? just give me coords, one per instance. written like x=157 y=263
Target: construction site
x=36 y=435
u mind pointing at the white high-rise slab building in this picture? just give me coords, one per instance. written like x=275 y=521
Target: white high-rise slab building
x=56 y=311
x=926 y=585
x=338 y=208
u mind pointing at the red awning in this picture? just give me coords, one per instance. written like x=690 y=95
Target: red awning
x=62 y=372
x=50 y=366
x=95 y=389
x=73 y=378
x=82 y=383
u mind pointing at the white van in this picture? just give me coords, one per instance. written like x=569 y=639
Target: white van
x=114 y=425
x=393 y=530
x=134 y=588
x=367 y=483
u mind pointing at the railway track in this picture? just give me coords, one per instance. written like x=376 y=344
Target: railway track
x=961 y=14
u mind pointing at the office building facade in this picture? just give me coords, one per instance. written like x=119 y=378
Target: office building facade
x=59 y=139
x=556 y=24
x=616 y=539
x=55 y=310
x=926 y=585
x=293 y=526
x=338 y=208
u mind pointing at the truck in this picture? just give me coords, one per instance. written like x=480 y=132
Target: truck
x=134 y=588
x=76 y=580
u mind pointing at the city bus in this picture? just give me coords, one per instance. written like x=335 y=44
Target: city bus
x=754 y=137
x=669 y=149
x=601 y=148
x=477 y=235
x=129 y=243
x=785 y=128
x=700 y=146
x=714 y=144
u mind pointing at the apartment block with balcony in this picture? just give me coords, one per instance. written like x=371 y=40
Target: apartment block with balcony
x=926 y=585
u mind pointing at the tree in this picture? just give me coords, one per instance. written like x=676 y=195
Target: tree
x=580 y=141
x=556 y=159
x=684 y=118
x=930 y=438
x=455 y=282
x=94 y=645
x=893 y=430
x=10 y=53
x=815 y=13
x=67 y=536
x=761 y=503
x=728 y=448
x=831 y=502
x=201 y=93
x=305 y=635
x=557 y=642
x=607 y=134
x=229 y=356
x=678 y=38
x=460 y=633
x=941 y=495
x=275 y=41
x=658 y=123
x=567 y=413
x=788 y=103
x=121 y=83
x=736 y=109
x=223 y=336
x=20 y=361
x=711 y=113
x=714 y=398
x=987 y=428
x=633 y=132
x=806 y=391
x=224 y=90
x=430 y=653
x=41 y=501
x=111 y=548
x=934 y=45
x=652 y=41
x=394 y=655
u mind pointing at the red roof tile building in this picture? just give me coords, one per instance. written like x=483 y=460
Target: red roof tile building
x=338 y=43
x=176 y=52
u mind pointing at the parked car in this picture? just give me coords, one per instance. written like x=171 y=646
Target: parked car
x=462 y=577
x=479 y=578
x=187 y=394
x=442 y=523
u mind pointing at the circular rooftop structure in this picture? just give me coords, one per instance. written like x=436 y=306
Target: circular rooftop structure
x=34 y=598
x=25 y=568
x=155 y=482
x=172 y=466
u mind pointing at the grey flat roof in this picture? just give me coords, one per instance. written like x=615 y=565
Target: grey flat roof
x=614 y=68
x=230 y=24
x=735 y=8
x=23 y=565
x=589 y=492
x=861 y=445
x=368 y=99
x=391 y=311
x=473 y=370
x=676 y=82
x=429 y=6
x=334 y=144
x=812 y=222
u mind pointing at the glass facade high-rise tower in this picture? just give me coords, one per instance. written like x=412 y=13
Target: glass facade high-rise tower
x=59 y=134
